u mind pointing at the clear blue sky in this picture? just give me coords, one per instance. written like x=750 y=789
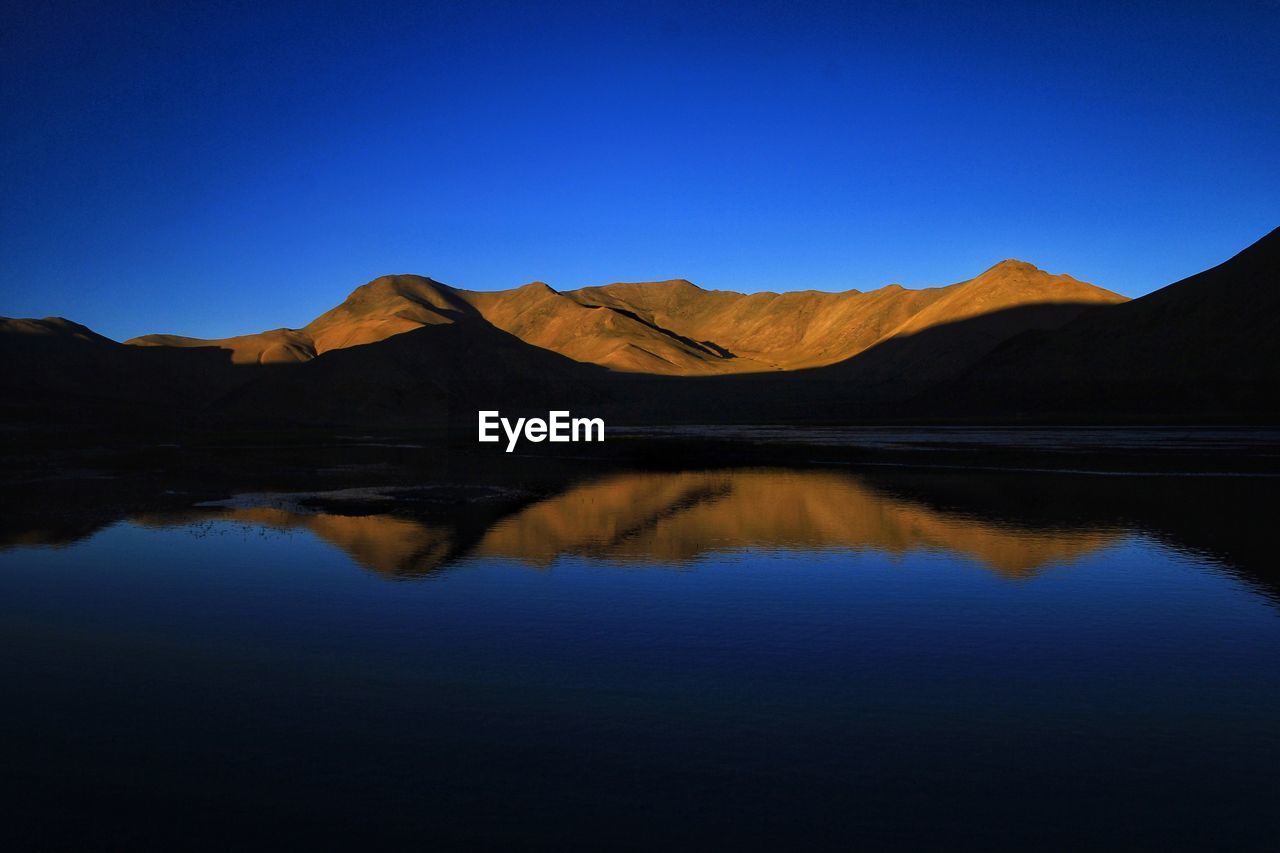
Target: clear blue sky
x=227 y=168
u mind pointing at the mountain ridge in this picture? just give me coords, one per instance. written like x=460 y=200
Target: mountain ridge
x=671 y=327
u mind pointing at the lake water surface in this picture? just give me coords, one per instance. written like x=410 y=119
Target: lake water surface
x=642 y=659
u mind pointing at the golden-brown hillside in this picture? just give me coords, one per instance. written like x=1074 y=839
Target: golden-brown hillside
x=670 y=327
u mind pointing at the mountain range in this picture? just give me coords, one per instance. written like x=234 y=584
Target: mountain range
x=666 y=327
x=1014 y=342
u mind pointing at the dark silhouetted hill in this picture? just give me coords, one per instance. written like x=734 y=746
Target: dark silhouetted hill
x=1206 y=345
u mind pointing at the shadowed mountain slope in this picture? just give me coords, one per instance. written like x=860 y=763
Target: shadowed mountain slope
x=430 y=373
x=54 y=368
x=1204 y=345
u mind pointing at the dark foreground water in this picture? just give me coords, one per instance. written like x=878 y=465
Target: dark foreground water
x=696 y=659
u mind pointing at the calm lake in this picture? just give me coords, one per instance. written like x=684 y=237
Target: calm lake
x=643 y=659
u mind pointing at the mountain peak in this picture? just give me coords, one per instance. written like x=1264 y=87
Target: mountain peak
x=1014 y=265
x=666 y=284
x=397 y=282
x=536 y=287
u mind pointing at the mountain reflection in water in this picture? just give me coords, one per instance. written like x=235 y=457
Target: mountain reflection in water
x=672 y=518
x=1014 y=526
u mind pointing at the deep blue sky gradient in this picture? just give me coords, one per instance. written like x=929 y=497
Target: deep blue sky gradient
x=229 y=167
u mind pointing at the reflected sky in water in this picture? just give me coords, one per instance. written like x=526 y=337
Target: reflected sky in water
x=650 y=658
